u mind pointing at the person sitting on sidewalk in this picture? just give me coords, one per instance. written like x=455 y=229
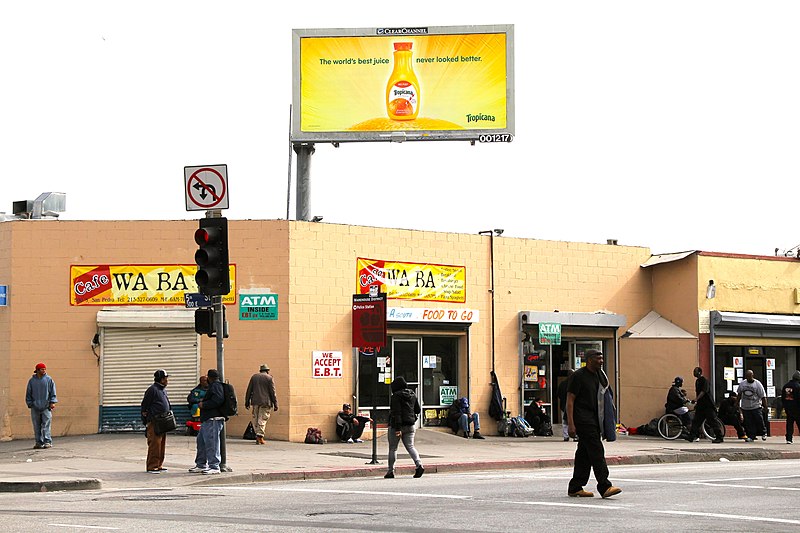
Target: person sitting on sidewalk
x=536 y=416
x=731 y=414
x=349 y=426
x=459 y=418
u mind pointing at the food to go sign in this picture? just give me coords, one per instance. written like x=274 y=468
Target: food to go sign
x=326 y=365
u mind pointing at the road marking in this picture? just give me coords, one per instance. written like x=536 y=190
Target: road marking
x=422 y=495
x=361 y=492
x=710 y=483
x=84 y=527
x=732 y=517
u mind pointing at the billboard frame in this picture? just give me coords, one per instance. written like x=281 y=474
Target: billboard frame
x=491 y=134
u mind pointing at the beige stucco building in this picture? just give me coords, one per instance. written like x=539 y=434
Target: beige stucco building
x=483 y=301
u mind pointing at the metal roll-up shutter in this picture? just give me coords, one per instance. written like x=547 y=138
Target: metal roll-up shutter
x=130 y=355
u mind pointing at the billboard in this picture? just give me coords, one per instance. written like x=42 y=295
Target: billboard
x=397 y=84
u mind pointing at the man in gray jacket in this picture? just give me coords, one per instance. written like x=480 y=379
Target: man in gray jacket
x=261 y=395
x=40 y=396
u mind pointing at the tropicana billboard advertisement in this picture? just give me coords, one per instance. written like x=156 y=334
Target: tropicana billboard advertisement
x=423 y=83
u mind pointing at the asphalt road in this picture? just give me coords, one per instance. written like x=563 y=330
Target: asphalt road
x=724 y=496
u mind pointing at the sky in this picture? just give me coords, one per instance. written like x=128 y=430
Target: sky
x=668 y=125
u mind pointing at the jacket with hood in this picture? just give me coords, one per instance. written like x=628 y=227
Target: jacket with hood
x=404 y=406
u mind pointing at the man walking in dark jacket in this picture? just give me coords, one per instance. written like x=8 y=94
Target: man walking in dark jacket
x=261 y=395
x=154 y=403
x=207 y=460
x=790 y=397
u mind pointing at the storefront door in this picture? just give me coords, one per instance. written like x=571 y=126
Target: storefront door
x=406 y=362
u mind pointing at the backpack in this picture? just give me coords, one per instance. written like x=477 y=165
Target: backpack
x=314 y=436
x=520 y=427
x=230 y=406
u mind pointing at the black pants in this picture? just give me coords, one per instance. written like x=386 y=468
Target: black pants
x=351 y=431
x=590 y=455
x=733 y=420
x=701 y=414
x=754 y=423
x=792 y=419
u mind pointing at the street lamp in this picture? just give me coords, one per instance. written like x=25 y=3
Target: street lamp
x=491 y=233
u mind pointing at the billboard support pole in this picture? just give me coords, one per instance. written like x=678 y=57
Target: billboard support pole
x=304 y=152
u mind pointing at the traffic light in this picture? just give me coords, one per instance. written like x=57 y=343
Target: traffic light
x=213 y=275
x=204 y=321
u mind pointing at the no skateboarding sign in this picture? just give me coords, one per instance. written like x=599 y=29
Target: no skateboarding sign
x=206 y=187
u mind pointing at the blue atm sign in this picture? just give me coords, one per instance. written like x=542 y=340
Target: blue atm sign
x=3 y=295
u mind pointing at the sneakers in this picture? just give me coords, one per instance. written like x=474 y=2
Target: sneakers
x=162 y=469
x=38 y=446
x=260 y=439
x=566 y=439
x=581 y=494
x=350 y=441
x=359 y=440
x=210 y=471
x=748 y=439
x=198 y=469
x=717 y=441
x=763 y=437
x=611 y=491
x=389 y=475
x=466 y=435
x=478 y=436
x=154 y=471
x=789 y=442
x=419 y=471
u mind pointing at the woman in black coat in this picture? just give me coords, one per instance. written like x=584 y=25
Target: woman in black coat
x=403 y=411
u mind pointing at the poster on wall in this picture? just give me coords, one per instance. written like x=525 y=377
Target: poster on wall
x=412 y=281
x=136 y=284
x=326 y=364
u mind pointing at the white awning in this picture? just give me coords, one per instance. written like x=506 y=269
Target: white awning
x=145 y=318
x=666 y=258
x=655 y=326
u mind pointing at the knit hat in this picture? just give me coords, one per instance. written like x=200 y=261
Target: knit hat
x=796 y=375
x=41 y=365
x=212 y=374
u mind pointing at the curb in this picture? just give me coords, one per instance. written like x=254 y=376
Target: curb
x=699 y=456
x=50 y=486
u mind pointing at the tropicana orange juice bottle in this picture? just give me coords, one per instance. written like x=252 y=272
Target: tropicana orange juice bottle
x=402 y=91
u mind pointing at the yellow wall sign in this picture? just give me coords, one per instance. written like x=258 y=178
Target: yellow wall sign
x=136 y=284
x=427 y=81
x=412 y=281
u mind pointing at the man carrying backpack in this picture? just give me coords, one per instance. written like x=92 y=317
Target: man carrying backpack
x=208 y=459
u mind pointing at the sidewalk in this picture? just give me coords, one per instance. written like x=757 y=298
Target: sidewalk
x=117 y=461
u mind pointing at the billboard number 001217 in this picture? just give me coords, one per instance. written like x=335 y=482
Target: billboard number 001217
x=496 y=138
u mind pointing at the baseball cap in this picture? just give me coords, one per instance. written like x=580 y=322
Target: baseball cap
x=41 y=365
x=213 y=374
x=593 y=353
x=160 y=374
x=346 y=406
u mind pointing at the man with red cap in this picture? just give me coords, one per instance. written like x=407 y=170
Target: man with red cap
x=41 y=399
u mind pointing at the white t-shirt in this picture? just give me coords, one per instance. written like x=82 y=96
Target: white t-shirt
x=751 y=394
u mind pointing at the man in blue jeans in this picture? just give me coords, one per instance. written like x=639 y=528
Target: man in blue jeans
x=40 y=396
x=207 y=459
x=459 y=417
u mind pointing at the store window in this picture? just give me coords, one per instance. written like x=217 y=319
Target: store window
x=771 y=365
x=430 y=365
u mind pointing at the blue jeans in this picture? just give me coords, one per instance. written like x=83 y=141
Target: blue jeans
x=208 y=444
x=465 y=421
x=41 y=425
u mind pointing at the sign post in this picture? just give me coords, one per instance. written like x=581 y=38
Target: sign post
x=369 y=335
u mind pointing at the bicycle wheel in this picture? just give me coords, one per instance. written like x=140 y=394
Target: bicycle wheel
x=708 y=430
x=670 y=427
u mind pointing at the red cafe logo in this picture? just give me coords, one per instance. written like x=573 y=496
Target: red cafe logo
x=370 y=275
x=91 y=284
